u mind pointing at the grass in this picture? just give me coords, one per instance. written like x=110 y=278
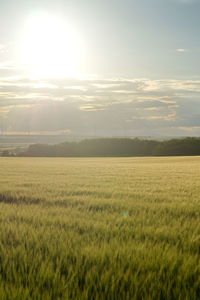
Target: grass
x=100 y=228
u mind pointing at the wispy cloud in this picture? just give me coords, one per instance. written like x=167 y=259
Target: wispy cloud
x=182 y=50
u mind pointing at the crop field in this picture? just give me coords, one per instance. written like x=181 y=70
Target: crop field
x=100 y=228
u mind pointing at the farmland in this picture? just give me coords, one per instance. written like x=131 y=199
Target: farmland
x=100 y=228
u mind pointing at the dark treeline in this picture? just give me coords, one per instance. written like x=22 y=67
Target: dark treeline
x=115 y=147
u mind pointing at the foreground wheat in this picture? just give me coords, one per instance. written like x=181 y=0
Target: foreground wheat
x=100 y=228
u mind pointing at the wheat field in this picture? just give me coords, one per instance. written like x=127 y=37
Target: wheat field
x=100 y=228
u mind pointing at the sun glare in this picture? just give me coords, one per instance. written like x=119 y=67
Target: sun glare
x=50 y=47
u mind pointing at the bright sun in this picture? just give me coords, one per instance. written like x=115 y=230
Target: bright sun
x=51 y=48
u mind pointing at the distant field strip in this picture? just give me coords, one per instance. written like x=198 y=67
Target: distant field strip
x=100 y=228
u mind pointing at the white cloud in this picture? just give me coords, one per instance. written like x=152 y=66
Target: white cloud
x=106 y=104
x=182 y=50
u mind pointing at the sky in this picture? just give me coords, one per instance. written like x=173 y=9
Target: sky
x=99 y=67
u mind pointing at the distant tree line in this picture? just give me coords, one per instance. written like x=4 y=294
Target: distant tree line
x=103 y=147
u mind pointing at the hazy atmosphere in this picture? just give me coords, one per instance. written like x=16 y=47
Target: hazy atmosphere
x=102 y=68
x=99 y=149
